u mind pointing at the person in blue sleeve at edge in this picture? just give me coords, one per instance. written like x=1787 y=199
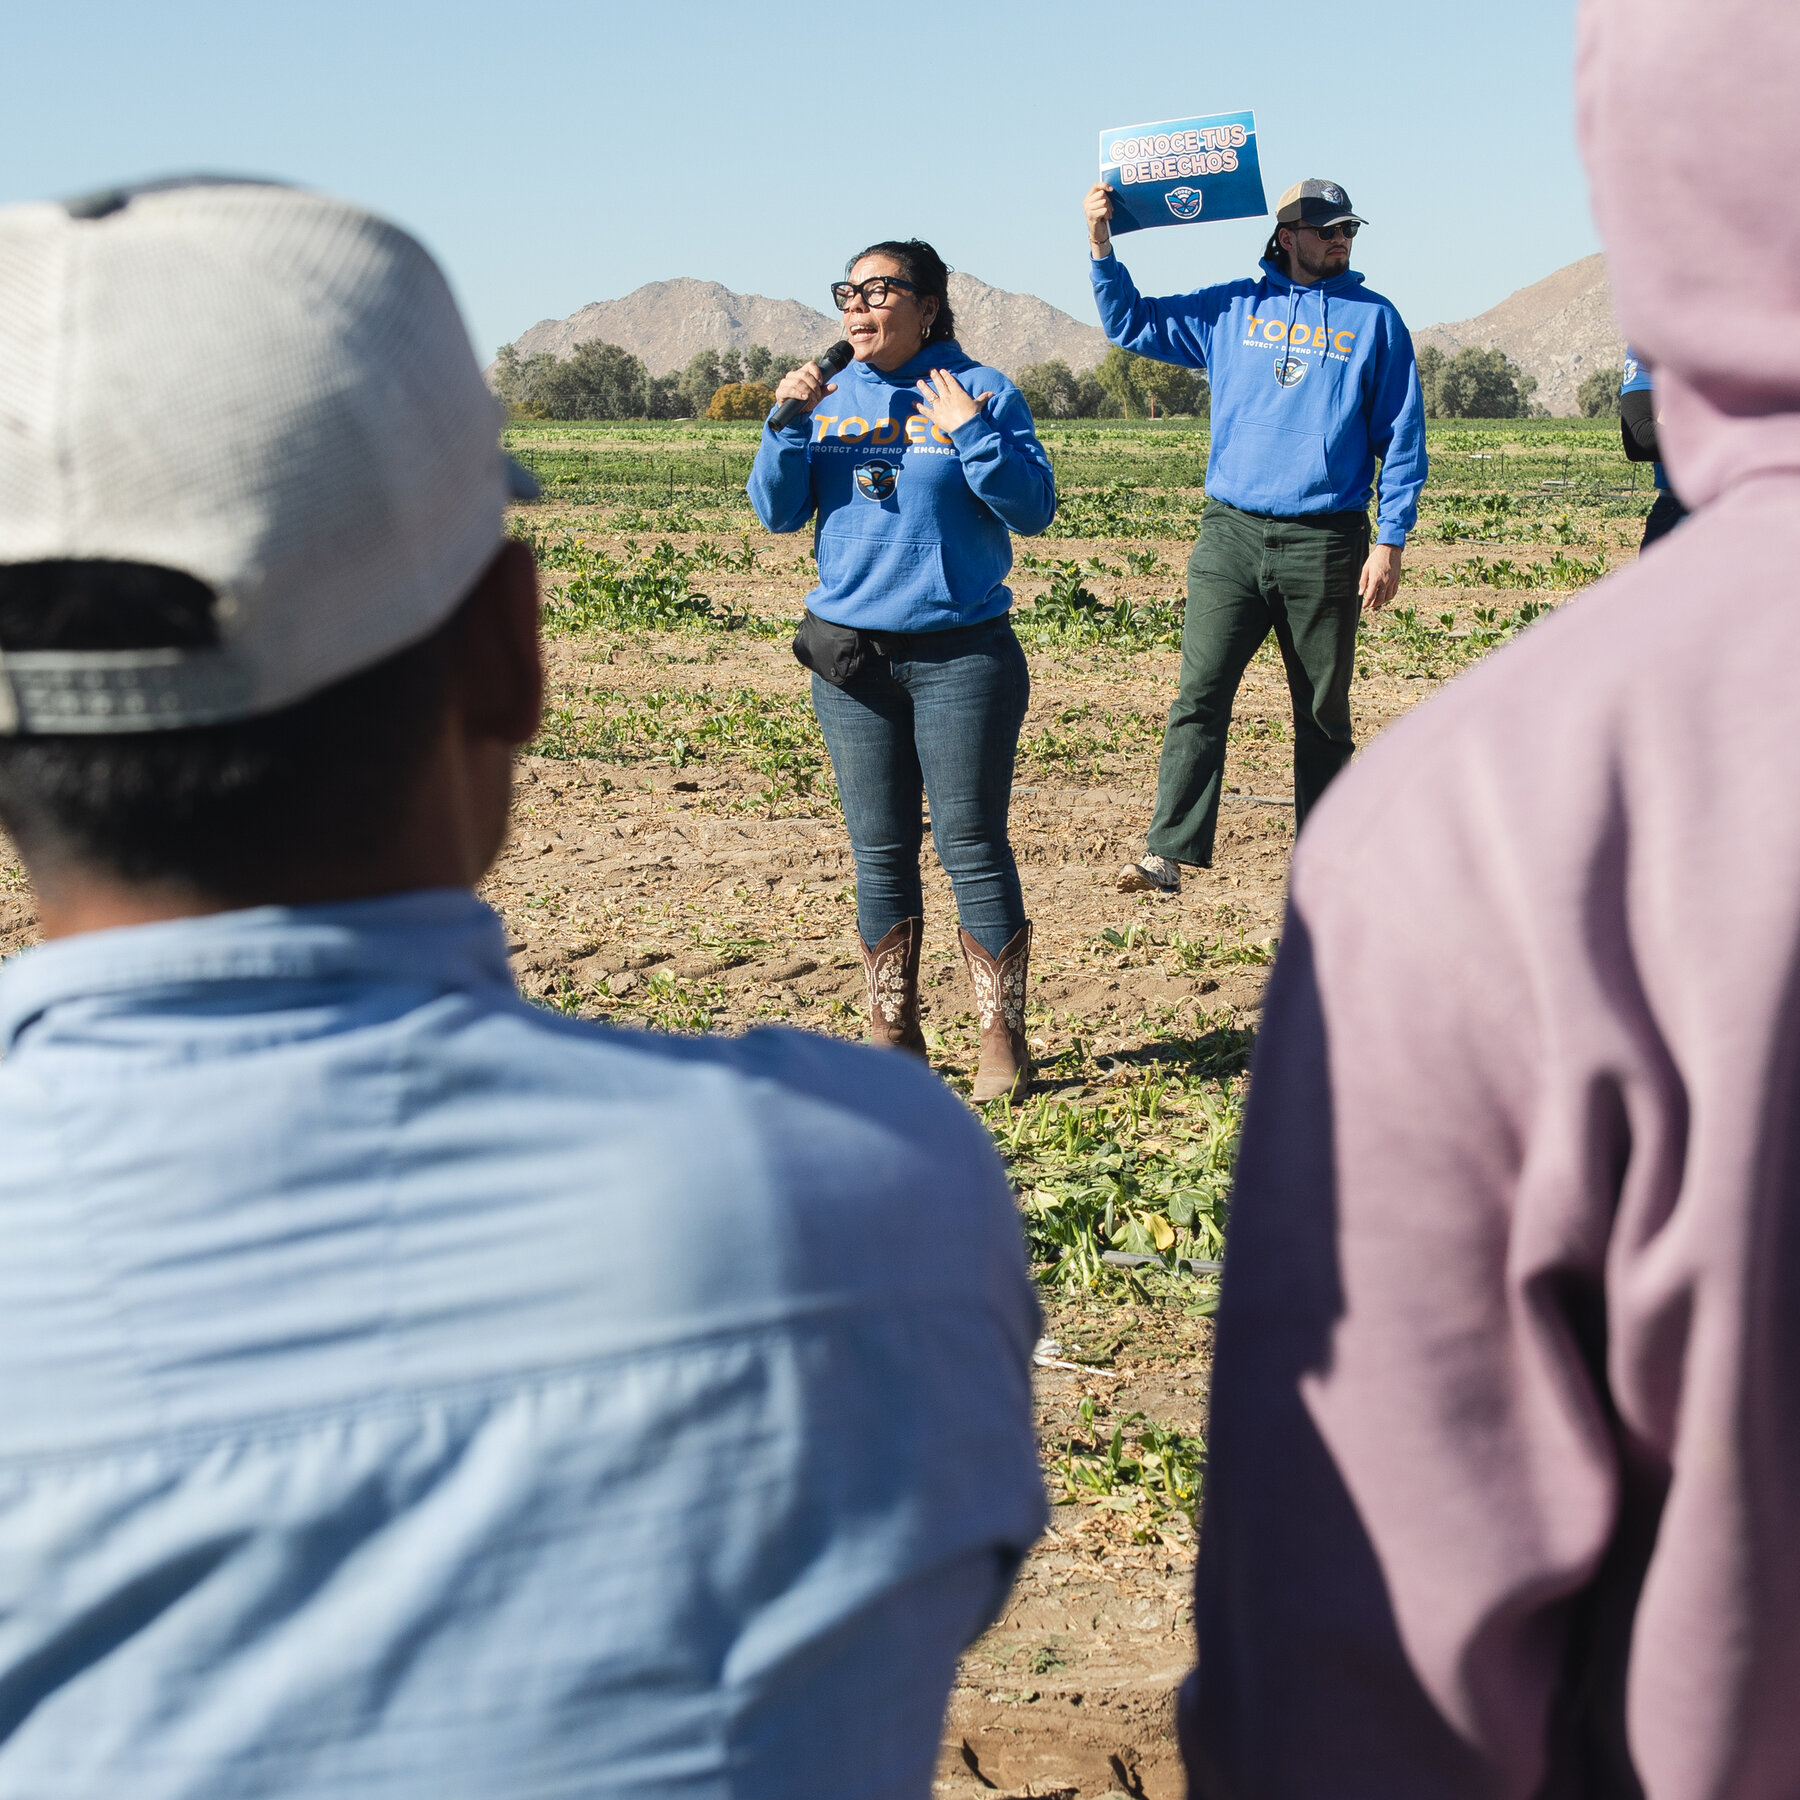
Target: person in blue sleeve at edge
x=914 y=481
x=1313 y=379
x=1637 y=426
x=406 y=1391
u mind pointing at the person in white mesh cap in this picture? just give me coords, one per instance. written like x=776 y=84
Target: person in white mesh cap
x=405 y=1391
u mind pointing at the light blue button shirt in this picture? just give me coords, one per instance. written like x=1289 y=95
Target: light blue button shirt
x=407 y=1392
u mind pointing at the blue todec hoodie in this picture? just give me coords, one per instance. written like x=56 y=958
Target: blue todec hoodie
x=912 y=526
x=1309 y=385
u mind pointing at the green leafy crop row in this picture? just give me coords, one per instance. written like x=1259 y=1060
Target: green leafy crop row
x=1144 y=1168
x=775 y=737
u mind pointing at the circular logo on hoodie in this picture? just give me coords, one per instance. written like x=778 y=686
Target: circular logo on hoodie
x=1184 y=202
x=1290 y=371
x=875 y=480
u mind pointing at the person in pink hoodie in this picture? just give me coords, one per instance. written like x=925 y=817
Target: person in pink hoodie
x=1504 y=1491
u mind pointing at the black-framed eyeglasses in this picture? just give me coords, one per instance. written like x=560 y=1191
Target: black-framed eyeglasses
x=874 y=292
x=1345 y=228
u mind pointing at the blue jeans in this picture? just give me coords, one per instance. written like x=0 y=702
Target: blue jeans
x=939 y=717
x=1665 y=515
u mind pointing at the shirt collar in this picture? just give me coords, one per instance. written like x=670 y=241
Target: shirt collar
x=442 y=937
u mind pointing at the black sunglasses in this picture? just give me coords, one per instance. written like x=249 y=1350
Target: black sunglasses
x=1347 y=229
x=873 y=292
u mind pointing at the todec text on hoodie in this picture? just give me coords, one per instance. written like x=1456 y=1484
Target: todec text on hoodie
x=1309 y=385
x=912 y=524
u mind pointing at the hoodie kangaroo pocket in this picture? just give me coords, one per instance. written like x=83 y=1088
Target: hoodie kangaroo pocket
x=1267 y=468
x=891 y=570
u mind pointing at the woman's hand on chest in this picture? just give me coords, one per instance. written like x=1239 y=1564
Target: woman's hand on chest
x=946 y=402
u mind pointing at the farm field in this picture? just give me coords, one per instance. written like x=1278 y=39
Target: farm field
x=678 y=862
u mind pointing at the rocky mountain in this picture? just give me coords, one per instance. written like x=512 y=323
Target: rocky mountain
x=1559 y=329
x=664 y=323
x=1009 y=331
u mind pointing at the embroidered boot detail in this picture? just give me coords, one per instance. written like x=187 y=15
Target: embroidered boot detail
x=891 y=976
x=999 y=984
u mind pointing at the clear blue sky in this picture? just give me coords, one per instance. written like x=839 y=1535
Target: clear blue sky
x=558 y=153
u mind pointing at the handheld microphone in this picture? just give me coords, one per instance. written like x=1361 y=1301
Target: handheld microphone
x=829 y=364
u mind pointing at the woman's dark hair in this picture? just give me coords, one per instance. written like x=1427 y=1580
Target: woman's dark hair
x=231 y=809
x=927 y=271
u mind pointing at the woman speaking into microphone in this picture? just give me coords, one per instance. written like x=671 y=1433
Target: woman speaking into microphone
x=915 y=464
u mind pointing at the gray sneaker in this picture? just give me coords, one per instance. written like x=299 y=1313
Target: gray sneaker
x=1150 y=874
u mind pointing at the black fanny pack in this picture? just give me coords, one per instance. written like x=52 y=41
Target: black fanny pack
x=836 y=653
x=839 y=653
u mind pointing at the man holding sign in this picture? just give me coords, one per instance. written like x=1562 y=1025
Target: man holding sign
x=1313 y=379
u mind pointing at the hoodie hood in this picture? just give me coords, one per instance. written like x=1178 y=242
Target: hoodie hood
x=947 y=354
x=1282 y=282
x=1687 y=121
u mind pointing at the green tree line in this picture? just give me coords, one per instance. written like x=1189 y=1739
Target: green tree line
x=1124 y=386
x=1486 y=384
x=1598 y=395
x=1475 y=384
x=603 y=381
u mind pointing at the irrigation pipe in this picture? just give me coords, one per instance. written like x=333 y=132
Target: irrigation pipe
x=1130 y=1259
x=1044 y=1355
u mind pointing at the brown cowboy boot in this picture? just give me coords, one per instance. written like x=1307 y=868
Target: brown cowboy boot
x=999 y=983
x=892 y=972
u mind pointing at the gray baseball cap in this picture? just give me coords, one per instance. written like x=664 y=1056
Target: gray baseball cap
x=264 y=388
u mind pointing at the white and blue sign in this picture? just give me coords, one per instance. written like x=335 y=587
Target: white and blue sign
x=1183 y=171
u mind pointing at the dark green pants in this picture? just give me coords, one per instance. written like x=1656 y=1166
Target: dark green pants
x=1249 y=576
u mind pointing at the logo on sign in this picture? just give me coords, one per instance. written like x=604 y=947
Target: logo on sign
x=875 y=480
x=1290 y=371
x=1184 y=202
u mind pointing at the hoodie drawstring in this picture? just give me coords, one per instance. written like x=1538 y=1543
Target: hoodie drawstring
x=1294 y=292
